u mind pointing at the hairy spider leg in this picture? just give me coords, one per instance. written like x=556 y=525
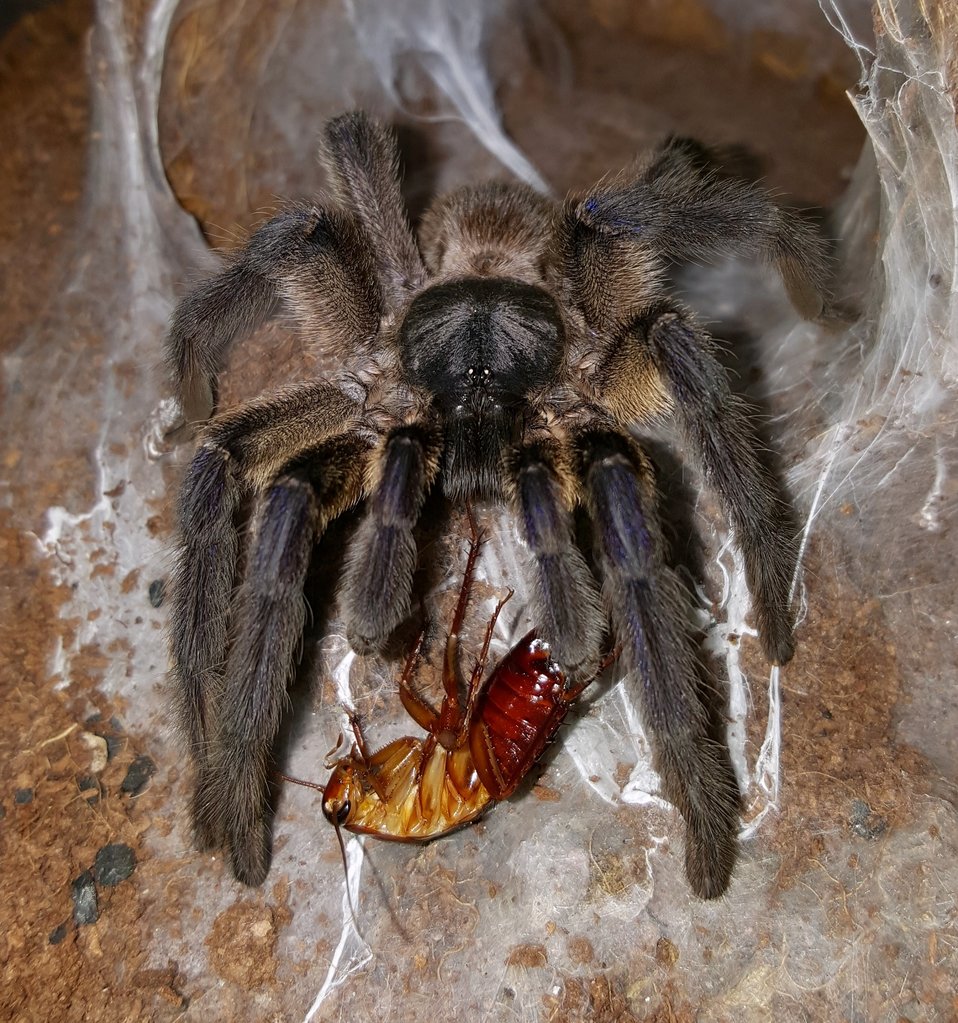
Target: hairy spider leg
x=571 y=612
x=311 y=258
x=231 y=696
x=720 y=431
x=379 y=571
x=242 y=452
x=682 y=204
x=650 y=611
x=364 y=159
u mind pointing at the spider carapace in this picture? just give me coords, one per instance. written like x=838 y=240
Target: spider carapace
x=511 y=348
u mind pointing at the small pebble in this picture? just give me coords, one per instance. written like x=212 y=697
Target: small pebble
x=83 y=892
x=99 y=749
x=23 y=796
x=58 y=934
x=114 y=863
x=114 y=742
x=138 y=774
x=157 y=592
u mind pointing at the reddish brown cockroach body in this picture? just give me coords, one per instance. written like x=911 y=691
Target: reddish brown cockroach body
x=516 y=714
x=417 y=789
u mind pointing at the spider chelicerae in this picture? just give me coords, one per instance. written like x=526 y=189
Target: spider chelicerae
x=511 y=348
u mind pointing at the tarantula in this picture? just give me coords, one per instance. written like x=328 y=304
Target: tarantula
x=509 y=349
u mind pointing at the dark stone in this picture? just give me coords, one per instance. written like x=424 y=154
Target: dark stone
x=58 y=934
x=114 y=863
x=89 y=787
x=860 y=811
x=864 y=822
x=138 y=774
x=83 y=892
x=157 y=592
x=114 y=743
x=23 y=796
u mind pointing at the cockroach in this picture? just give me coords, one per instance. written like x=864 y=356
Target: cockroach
x=418 y=789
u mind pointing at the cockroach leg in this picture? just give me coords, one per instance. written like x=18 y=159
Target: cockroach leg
x=475 y=680
x=360 y=738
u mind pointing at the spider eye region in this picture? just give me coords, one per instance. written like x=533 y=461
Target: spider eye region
x=479 y=376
